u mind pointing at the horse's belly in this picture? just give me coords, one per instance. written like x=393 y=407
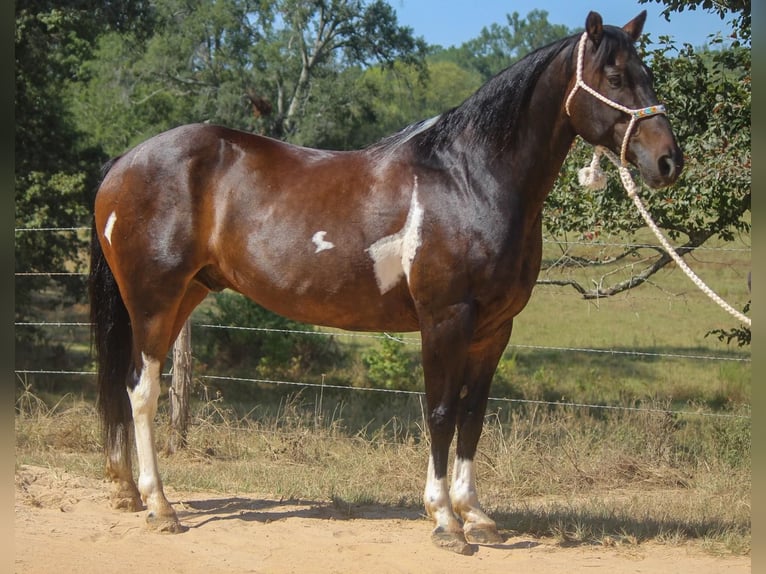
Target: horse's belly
x=351 y=304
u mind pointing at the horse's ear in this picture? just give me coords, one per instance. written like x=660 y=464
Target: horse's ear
x=595 y=27
x=635 y=26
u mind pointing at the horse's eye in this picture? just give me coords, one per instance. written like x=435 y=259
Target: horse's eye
x=615 y=80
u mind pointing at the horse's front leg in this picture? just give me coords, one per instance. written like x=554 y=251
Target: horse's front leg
x=482 y=363
x=445 y=339
x=143 y=401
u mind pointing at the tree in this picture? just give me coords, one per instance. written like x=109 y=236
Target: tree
x=708 y=96
x=53 y=172
x=400 y=95
x=254 y=65
x=321 y=33
x=497 y=46
x=739 y=10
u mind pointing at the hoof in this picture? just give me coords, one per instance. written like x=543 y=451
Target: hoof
x=127 y=499
x=163 y=524
x=453 y=541
x=482 y=534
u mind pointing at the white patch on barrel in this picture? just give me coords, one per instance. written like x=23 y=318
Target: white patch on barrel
x=110 y=226
x=319 y=240
x=392 y=255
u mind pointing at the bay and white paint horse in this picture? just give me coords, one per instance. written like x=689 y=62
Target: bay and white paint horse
x=435 y=229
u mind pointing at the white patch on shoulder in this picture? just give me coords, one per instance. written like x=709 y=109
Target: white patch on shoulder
x=319 y=240
x=392 y=255
x=110 y=226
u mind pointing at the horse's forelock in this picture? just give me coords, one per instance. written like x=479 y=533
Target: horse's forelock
x=615 y=40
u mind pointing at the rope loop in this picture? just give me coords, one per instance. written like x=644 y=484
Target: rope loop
x=632 y=190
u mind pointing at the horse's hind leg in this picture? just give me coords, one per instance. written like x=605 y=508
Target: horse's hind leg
x=152 y=340
x=143 y=400
x=119 y=470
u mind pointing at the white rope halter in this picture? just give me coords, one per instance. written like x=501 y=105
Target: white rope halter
x=593 y=177
x=635 y=114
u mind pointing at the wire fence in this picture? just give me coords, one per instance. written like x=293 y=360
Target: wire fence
x=403 y=392
x=407 y=340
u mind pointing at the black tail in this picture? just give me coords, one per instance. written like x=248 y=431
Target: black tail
x=112 y=342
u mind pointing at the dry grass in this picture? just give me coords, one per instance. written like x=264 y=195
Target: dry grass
x=624 y=478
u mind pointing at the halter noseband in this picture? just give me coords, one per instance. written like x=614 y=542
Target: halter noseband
x=635 y=114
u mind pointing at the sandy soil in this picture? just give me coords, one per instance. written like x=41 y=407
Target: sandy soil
x=63 y=524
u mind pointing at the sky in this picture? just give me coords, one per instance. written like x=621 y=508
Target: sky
x=452 y=22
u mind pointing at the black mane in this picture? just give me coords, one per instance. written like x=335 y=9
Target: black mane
x=493 y=110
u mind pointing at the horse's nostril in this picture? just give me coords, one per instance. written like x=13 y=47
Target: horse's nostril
x=667 y=166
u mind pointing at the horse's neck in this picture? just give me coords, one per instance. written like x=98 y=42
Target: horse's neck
x=543 y=135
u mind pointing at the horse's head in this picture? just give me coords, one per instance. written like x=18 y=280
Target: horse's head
x=612 y=102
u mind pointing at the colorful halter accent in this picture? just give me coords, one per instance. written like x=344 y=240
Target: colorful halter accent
x=635 y=114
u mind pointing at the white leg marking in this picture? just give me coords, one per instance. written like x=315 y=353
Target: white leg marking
x=465 y=499
x=143 y=400
x=463 y=492
x=393 y=255
x=437 y=501
x=320 y=242
x=110 y=226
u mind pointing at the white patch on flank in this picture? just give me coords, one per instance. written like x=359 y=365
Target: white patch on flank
x=392 y=255
x=320 y=242
x=110 y=226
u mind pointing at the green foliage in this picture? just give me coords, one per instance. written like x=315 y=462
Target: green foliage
x=399 y=94
x=55 y=168
x=271 y=350
x=499 y=46
x=739 y=10
x=390 y=366
x=739 y=334
x=212 y=62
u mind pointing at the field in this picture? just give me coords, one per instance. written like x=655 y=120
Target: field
x=655 y=468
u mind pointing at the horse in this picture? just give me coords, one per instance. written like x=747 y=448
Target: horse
x=436 y=229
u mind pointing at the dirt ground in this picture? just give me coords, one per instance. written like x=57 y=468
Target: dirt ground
x=63 y=524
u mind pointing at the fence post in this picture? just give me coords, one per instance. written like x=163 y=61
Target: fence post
x=179 y=390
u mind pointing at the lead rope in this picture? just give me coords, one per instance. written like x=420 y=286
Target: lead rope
x=632 y=189
x=593 y=177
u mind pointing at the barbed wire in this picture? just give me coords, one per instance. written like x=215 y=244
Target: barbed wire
x=415 y=393
x=415 y=340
